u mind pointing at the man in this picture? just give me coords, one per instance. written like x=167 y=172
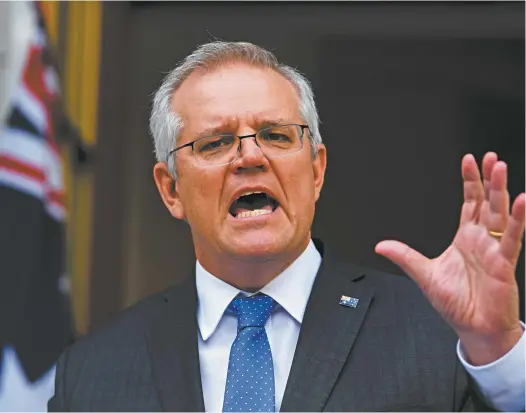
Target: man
x=270 y=320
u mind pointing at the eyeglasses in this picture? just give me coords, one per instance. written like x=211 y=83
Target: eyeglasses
x=223 y=149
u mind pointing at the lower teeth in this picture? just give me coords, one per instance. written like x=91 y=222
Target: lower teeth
x=255 y=213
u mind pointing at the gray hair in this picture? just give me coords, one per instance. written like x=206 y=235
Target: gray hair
x=166 y=126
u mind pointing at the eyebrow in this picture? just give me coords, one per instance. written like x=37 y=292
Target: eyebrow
x=270 y=122
x=261 y=123
x=211 y=131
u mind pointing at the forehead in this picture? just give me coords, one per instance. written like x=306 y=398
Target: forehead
x=237 y=94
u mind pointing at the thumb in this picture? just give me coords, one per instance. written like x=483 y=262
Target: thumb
x=414 y=264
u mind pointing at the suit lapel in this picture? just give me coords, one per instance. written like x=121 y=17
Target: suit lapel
x=327 y=335
x=173 y=349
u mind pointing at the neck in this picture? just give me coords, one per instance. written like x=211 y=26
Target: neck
x=233 y=270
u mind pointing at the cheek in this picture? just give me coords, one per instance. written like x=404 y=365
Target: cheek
x=201 y=196
x=298 y=182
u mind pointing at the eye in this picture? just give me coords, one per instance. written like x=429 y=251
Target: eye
x=274 y=136
x=214 y=143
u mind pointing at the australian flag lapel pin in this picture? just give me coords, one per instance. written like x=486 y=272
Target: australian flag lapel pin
x=349 y=301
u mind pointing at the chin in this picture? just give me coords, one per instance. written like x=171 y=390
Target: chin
x=261 y=247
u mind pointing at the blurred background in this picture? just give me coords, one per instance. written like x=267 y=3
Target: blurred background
x=404 y=90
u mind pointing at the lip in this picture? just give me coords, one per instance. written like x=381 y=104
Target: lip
x=259 y=218
x=253 y=188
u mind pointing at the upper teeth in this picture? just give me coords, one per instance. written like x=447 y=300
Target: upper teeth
x=250 y=193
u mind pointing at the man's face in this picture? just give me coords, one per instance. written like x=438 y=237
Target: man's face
x=242 y=99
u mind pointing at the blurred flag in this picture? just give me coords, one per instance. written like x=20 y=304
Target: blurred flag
x=35 y=323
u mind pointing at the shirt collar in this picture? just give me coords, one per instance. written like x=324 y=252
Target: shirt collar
x=290 y=289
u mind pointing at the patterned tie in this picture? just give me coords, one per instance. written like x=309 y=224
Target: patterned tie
x=250 y=378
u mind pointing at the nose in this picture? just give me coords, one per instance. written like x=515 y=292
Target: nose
x=250 y=155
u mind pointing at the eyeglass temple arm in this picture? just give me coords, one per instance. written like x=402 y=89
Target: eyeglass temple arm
x=181 y=147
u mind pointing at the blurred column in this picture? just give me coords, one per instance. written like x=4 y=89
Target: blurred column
x=81 y=83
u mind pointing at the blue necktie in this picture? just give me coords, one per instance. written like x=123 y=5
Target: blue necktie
x=250 y=378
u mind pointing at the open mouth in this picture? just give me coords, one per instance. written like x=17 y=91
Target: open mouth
x=253 y=204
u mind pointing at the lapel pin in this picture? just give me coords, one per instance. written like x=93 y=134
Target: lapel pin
x=349 y=301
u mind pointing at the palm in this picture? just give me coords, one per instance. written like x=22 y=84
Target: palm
x=472 y=283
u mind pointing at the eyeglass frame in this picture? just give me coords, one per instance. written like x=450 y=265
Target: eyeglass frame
x=241 y=137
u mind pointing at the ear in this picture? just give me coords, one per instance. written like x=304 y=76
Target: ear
x=319 y=164
x=167 y=187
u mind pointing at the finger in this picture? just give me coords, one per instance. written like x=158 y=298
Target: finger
x=510 y=243
x=473 y=190
x=495 y=210
x=488 y=162
x=414 y=264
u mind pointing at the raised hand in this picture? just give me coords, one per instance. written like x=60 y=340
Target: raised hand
x=472 y=283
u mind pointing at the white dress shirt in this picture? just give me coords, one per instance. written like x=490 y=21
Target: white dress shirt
x=501 y=382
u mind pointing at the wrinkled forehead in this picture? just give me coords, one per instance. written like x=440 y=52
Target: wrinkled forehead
x=235 y=95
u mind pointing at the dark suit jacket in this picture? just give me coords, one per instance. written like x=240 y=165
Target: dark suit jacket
x=392 y=352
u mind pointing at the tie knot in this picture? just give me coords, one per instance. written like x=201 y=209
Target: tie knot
x=252 y=311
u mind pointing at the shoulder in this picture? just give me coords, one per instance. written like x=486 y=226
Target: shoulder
x=385 y=284
x=112 y=359
x=389 y=289
x=399 y=303
x=123 y=337
x=388 y=284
